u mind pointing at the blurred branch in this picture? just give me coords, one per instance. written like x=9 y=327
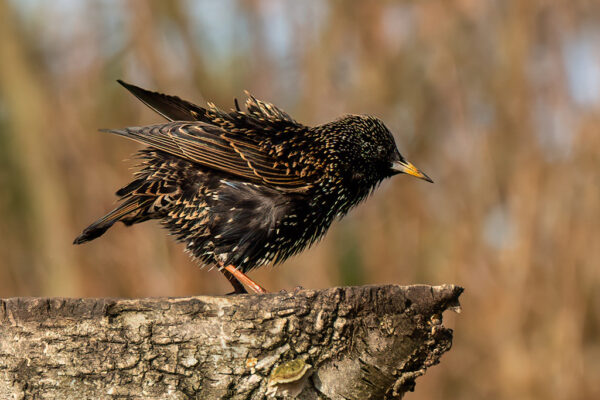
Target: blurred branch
x=366 y=342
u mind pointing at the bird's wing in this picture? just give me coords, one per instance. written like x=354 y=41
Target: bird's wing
x=214 y=147
x=260 y=114
x=267 y=111
x=171 y=107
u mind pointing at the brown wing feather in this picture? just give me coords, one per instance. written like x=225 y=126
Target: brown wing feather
x=171 y=107
x=267 y=111
x=214 y=147
x=260 y=115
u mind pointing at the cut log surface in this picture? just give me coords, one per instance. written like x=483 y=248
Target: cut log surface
x=367 y=342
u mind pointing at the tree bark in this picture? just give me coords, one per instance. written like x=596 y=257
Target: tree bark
x=367 y=342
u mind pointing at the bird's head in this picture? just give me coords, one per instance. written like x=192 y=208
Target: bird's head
x=372 y=149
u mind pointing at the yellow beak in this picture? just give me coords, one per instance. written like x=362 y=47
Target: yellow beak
x=405 y=167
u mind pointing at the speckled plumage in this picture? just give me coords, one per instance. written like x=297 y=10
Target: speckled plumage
x=249 y=187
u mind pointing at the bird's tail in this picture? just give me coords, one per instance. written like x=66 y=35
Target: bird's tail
x=131 y=211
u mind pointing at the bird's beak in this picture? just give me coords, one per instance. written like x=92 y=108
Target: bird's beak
x=405 y=167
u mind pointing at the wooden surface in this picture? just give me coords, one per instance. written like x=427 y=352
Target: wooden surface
x=367 y=342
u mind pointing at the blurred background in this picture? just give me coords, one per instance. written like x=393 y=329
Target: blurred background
x=498 y=101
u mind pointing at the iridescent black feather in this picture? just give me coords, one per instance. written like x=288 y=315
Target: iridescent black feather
x=249 y=187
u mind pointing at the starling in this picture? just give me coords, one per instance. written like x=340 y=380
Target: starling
x=245 y=188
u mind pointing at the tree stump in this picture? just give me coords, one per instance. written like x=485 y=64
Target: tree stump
x=367 y=342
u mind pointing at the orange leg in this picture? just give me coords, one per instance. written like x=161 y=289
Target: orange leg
x=237 y=285
x=241 y=277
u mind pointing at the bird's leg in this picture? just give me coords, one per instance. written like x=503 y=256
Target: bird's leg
x=241 y=277
x=237 y=285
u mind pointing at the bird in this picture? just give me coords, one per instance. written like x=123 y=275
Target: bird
x=248 y=187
